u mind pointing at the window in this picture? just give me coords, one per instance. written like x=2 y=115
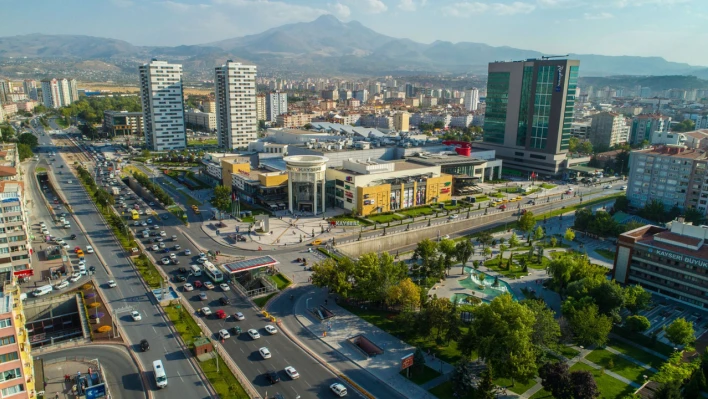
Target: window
x=13 y=390
x=6 y=322
x=10 y=374
x=10 y=339
x=8 y=357
x=497 y=100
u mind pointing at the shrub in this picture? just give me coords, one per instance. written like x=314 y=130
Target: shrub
x=104 y=329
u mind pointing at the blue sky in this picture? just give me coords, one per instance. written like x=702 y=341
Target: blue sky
x=673 y=29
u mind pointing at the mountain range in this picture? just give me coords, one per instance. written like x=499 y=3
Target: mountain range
x=327 y=46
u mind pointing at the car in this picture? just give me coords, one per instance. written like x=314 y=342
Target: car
x=254 y=334
x=112 y=284
x=65 y=246
x=165 y=216
x=180 y=278
x=608 y=186
x=224 y=287
x=152 y=204
x=208 y=285
x=239 y=316
x=292 y=373
x=143 y=224
x=271 y=330
x=75 y=277
x=203 y=296
x=265 y=353
x=59 y=241
x=224 y=301
x=623 y=188
x=61 y=285
x=272 y=377
x=165 y=250
x=177 y=247
x=136 y=315
x=197 y=284
x=149 y=221
x=92 y=269
x=205 y=311
x=155 y=247
x=161 y=245
x=338 y=389
x=451 y=217
x=174 y=237
x=144 y=345
x=223 y=334
x=202 y=255
x=82 y=262
x=159 y=239
x=220 y=314
x=163 y=234
x=165 y=261
x=187 y=252
x=187 y=287
x=173 y=256
x=201 y=261
x=136 y=223
x=317 y=242
x=77 y=249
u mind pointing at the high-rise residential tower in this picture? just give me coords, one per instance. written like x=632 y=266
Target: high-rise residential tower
x=529 y=111
x=471 y=99
x=51 y=96
x=162 y=98
x=276 y=104
x=261 y=107
x=236 y=116
x=30 y=88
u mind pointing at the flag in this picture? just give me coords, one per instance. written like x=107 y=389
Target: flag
x=533 y=175
x=233 y=196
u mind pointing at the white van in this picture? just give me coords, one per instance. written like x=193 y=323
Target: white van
x=43 y=290
x=196 y=271
x=160 y=375
x=82 y=269
x=67 y=225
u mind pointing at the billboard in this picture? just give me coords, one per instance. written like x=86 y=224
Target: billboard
x=96 y=391
x=406 y=361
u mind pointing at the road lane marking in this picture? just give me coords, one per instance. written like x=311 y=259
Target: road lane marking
x=153 y=329
x=180 y=376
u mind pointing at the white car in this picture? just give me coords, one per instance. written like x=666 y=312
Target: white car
x=292 y=373
x=143 y=224
x=239 y=316
x=155 y=248
x=75 y=277
x=265 y=353
x=254 y=334
x=271 y=330
x=136 y=223
x=163 y=234
x=136 y=315
x=65 y=246
x=223 y=334
x=202 y=255
x=82 y=262
x=187 y=287
x=89 y=249
x=187 y=252
x=339 y=389
x=623 y=188
x=201 y=261
x=61 y=285
x=208 y=285
x=205 y=311
x=165 y=261
x=608 y=186
x=173 y=256
x=112 y=284
x=224 y=287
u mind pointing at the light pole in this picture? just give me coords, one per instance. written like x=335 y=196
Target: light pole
x=216 y=357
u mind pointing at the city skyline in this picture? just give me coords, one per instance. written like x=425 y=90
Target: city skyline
x=528 y=24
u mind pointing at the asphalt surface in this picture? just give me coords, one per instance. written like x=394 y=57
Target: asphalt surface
x=122 y=376
x=182 y=377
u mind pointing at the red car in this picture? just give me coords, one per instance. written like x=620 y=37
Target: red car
x=502 y=207
x=197 y=284
x=77 y=249
x=220 y=314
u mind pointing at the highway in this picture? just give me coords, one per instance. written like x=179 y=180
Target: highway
x=122 y=378
x=129 y=292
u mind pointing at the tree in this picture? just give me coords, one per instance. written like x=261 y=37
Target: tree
x=671 y=390
x=654 y=210
x=621 y=204
x=637 y=323
x=419 y=359
x=436 y=313
x=636 y=298
x=486 y=387
x=463 y=251
x=104 y=198
x=538 y=234
x=586 y=147
x=583 y=385
x=24 y=151
x=406 y=293
x=554 y=242
x=555 y=378
x=694 y=216
x=680 y=332
x=546 y=330
x=485 y=238
x=487 y=251
x=28 y=139
x=526 y=222
x=333 y=275
x=589 y=326
x=454 y=324
x=695 y=385
x=462 y=379
x=438 y=124
x=569 y=235
x=514 y=240
x=426 y=251
x=222 y=198
x=573 y=144
x=447 y=247
x=685 y=126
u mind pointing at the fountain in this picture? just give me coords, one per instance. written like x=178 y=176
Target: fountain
x=485 y=282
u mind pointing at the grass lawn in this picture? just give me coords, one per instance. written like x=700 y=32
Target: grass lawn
x=610 y=387
x=177 y=211
x=280 y=280
x=497 y=195
x=607 y=254
x=510 y=190
x=519 y=387
x=420 y=211
x=224 y=382
x=261 y=301
x=40 y=169
x=148 y=271
x=203 y=142
x=623 y=367
x=636 y=353
x=515 y=271
x=532 y=262
x=548 y=186
x=420 y=377
x=444 y=391
x=566 y=351
x=572 y=208
x=643 y=340
x=481 y=198
x=542 y=394
x=384 y=218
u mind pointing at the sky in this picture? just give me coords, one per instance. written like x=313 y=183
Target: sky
x=672 y=29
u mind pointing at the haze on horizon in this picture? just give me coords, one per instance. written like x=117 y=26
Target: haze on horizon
x=657 y=28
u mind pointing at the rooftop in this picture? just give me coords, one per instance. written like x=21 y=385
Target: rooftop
x=445 y=159
x=675 y=151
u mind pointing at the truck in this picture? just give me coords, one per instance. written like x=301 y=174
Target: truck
x=115 y=190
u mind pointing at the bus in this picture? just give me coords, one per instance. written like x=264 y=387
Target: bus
x=135 y=214
x=214 y=274
x=160 y=375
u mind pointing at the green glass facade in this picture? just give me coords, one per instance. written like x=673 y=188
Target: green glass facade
x=569 y=105
x=542 y=106
x=522 y=127
x=497 y=101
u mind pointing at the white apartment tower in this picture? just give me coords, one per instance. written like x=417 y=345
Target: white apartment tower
x=471 y=99
x=163 y=105
x=276 y=104
x=51 y=96
x=236 y=116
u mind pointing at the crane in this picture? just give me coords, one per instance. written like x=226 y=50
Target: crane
x=547 y=57
x=463 y=148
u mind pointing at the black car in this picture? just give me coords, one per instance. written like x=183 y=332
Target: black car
x=144 y=345
x=183 y=270
x=73 y=236
x=224 y=300
x=92 y=268
x=175 y=261
x=272 y=376
x=180 y=278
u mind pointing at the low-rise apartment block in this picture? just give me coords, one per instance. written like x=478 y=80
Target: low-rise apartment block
x=120 y=123
x=200 y=120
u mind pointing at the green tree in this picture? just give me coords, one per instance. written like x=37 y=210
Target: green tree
x=589 y=326
x=406 y=293
x=462 y=378
x=636 y=298
x=222 y=198
x=694 y=216
x=680 y=332
x=28 y=139
x=486 y=388
x=526 y=222
x=538 y=234
x=463 y=251
x=485 y=238
x=419 y=359
x=554 y=242
x=454 y=324
x=438 y=124
x=671 y=390
x=427 y=250
x=569 y=235
x=546 y=330
x=621 y=204
x=487 y=251
x=447 y=248
x=637 y=323
x=586 y=147
x=514 y=240
x=24 y=151
x=684 y=126
x=333 y=275
x=573 y=144
x=695 y=385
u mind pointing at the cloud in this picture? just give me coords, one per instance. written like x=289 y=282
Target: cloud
x=601 y=15
x=372 y=6
x=407 y=5
x=340 y=10
x=468 y=9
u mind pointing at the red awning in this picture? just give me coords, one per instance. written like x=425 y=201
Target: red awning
x=24 y=273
